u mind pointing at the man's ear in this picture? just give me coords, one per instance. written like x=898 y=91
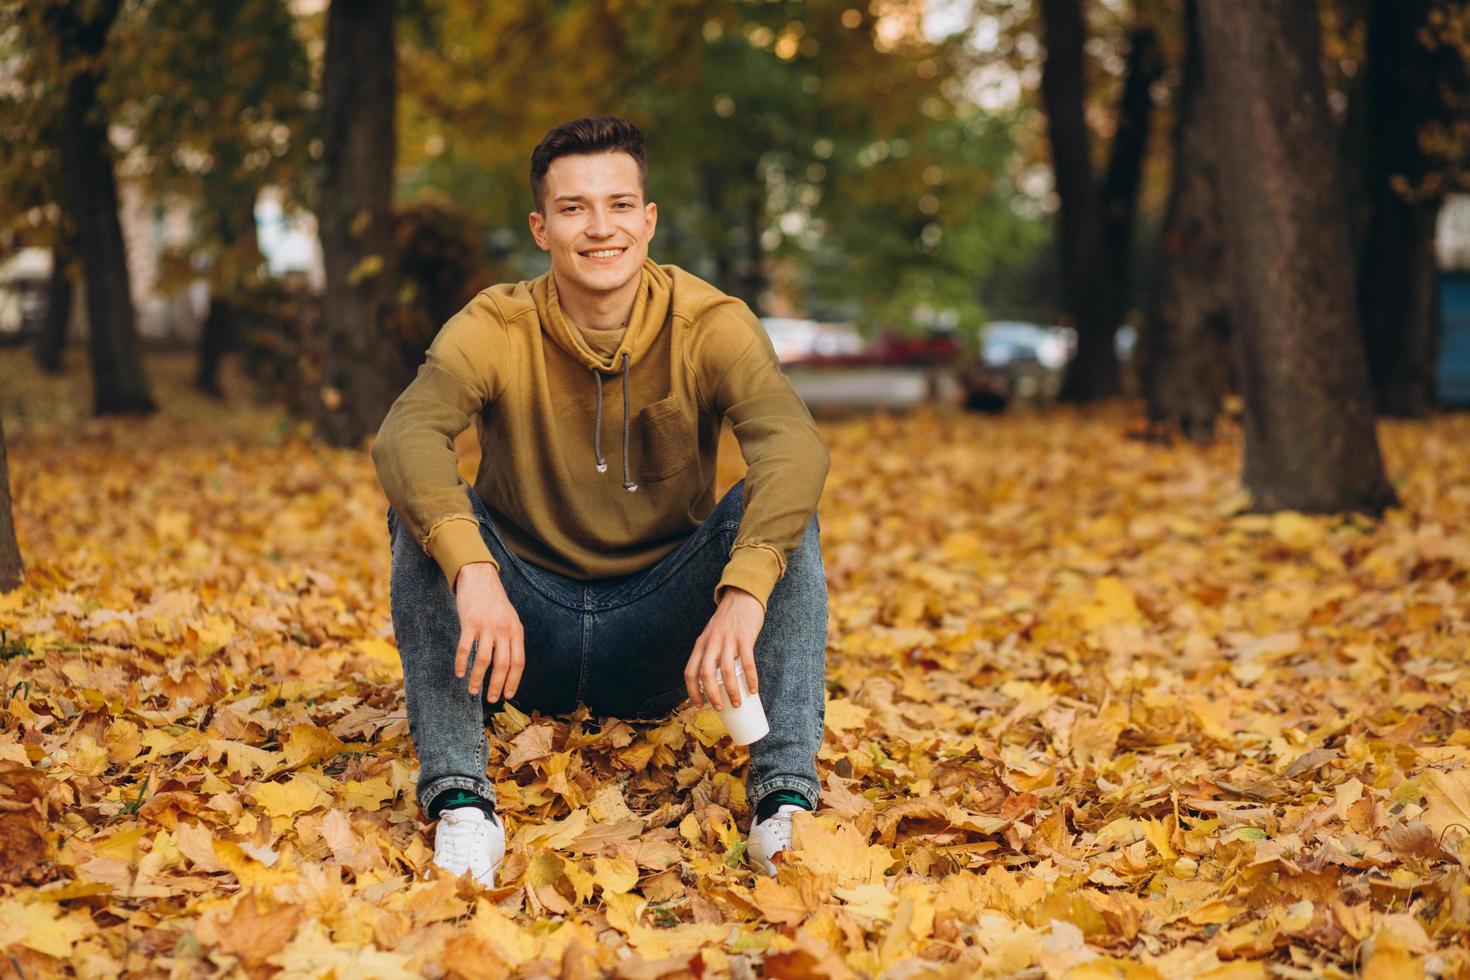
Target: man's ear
x=538 y=230
x=650 y=212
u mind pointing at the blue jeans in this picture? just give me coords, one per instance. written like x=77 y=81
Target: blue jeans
x=618 y=645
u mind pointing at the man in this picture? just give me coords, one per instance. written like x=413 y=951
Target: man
x=556 y=579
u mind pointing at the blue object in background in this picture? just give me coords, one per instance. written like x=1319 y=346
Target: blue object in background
x=1453 y=374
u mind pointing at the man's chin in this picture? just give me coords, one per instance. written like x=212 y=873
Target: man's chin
x=603 y=280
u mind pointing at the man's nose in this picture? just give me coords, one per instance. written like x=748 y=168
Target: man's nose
x=599 y=225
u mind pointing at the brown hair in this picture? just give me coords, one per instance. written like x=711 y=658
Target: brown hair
x=602 y=134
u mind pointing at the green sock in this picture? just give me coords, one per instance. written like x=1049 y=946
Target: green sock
x=450 y=799
x=771 y=801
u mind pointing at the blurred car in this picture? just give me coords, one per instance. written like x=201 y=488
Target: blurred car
x=1008 y=342
x=800 y=341
x=24 y=277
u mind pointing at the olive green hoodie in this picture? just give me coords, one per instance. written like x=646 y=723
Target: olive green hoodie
x=549 y=411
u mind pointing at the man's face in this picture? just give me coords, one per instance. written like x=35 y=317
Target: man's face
x=597 y=225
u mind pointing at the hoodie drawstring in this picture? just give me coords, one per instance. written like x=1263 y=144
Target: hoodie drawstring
x=628 y=484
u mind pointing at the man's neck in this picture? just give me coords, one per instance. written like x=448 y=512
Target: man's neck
x=598 y=311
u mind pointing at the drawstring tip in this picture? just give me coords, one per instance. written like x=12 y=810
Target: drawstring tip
x=630 y=487
x=602 y=467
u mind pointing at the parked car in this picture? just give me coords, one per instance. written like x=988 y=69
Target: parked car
x=23 y=281
x=800 y=341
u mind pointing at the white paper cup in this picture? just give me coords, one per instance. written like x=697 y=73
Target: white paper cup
x=746 y=723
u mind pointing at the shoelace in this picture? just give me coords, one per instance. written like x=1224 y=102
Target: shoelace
x=466 y=838
x=780 y=823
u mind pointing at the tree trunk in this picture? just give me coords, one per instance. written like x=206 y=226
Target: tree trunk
x=11 y=568
x=1096 y=223
x=1089 y=292
x=119 y=383
x=1310 y=438
x=358 y=92
x=51 y=342
x=1184 y=350
x=1397 y=280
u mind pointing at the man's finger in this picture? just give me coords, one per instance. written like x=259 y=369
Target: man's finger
x=483 y=653
x=501 y=668
x=691 y=672
x=517 y=661
x=462 y=652
x=747 y=660
x=733 y=688
x=709 y=674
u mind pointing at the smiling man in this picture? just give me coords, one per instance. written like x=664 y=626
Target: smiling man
x=556 y=580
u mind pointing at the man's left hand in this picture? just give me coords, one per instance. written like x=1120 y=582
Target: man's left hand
x=729 y=637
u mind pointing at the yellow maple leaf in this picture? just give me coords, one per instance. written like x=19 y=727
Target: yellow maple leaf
x=296 y=795
x=42 y=926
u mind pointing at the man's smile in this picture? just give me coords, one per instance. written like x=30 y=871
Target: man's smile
x=603 y=254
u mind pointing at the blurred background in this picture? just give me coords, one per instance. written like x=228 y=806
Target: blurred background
x=971 y=202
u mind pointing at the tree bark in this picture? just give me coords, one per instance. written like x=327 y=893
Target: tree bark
x=1184 y=353
x=1397 y=281
x=120 y=384
x=11 y=567
x=358 y=94
x=1310 y=438
x=1087 y=291
x=1095 y=225
x=51 y=342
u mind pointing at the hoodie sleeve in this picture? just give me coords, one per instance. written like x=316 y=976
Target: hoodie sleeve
x=787 y=460
x=414 y=449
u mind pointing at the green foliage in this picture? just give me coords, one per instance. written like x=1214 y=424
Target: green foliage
x=802 y=144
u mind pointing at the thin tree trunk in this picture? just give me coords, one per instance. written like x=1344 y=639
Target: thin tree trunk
x=1088 y=289
x=1119 y=190
x=358 y=91
x=1310 y=439
x=51 y=342
x=1096 y=222
x=1397 y=280
x=120 y=384
x=1184 y=350
x=11 y=567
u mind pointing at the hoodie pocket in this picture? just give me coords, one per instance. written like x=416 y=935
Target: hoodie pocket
x=668 y=440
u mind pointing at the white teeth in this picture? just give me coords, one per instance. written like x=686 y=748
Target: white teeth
x=604 y=255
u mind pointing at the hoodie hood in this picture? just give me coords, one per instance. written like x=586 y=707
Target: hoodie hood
x=650 y=313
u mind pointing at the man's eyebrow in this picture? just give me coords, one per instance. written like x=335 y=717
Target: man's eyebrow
x=579 y=197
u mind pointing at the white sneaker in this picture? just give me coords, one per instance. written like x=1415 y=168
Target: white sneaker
x=770 y=837
x=467 y=840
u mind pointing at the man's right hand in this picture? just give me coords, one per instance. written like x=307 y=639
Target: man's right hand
x=486 y=615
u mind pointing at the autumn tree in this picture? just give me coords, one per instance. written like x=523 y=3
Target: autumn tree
x=1310 y=439
x=1417 y=106
x=78 y=35
x=1095 y=221
x=216 y=99
x=10 y=563
x=359 y=143
x=1185 y=342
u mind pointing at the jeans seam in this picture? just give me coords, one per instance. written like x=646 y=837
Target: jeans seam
x=647 y=587
x=586 y=647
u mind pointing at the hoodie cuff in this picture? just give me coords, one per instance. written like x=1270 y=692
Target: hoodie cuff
x=455 y=542
x=754 y=568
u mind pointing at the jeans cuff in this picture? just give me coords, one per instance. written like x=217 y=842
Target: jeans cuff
x=755 y=792
x=482 y=786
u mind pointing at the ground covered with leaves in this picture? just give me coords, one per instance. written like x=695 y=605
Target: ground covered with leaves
x=1087 y=718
